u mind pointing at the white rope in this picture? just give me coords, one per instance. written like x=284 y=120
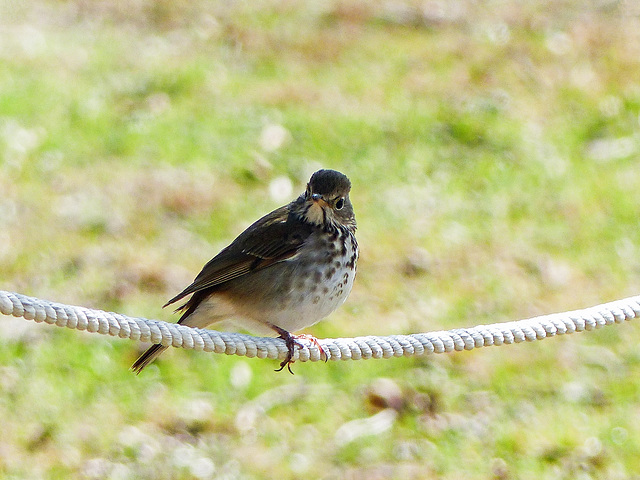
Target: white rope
x=172 y=334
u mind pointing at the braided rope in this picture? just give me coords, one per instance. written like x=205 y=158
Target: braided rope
x=172 y=334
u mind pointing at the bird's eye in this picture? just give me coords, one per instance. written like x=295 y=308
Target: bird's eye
x=340 y=204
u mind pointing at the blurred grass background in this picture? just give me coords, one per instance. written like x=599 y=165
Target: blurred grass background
x=493 y=149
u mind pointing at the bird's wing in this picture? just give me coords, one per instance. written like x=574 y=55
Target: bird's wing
x=269 y=240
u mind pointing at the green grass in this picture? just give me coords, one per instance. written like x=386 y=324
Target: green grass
x=493 y=151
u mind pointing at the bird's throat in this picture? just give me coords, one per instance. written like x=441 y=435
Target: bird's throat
x=315 y=214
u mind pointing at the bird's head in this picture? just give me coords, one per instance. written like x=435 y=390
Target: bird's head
x=326 y=200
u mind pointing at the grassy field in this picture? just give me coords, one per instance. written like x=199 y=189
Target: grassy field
x=493 y=149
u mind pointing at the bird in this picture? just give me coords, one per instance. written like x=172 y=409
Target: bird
x=287 y=271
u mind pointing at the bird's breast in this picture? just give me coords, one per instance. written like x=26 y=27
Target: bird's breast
x=322 y=277
x=305 y=288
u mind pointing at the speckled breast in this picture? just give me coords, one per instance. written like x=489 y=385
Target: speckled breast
x=300 y=291
x=327 y=271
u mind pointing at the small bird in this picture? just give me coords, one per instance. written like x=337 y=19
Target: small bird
x=287 y=271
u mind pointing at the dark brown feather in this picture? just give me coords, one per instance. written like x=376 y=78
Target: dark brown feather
x=274 y=238
x=147 y=357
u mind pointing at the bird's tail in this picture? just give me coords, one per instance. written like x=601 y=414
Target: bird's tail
x=147 y=357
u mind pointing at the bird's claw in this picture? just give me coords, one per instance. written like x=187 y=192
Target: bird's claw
x=314 y=341
x=291 y=341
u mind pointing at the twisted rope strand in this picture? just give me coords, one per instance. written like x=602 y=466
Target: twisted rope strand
x=172 y=334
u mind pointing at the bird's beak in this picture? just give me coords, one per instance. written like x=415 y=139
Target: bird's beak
x=317 y=198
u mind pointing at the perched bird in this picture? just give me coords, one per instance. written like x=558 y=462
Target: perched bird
x=287 y=271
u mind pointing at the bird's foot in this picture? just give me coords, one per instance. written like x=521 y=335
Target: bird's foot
x=314 y=341
x=291 y=341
